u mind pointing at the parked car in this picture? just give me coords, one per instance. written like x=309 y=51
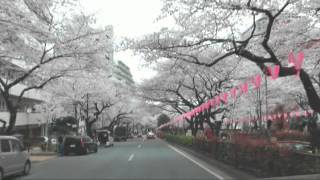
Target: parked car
x=120 y=134
x=130 y=136
x=151 y=135
x=104 y=138
x=79 y=145
x=14 y=158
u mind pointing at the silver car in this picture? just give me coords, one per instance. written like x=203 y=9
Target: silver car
x=13 y=157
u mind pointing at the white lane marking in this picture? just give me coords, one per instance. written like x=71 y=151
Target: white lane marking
x=139 y=146
x=131 y=157
x=197 y=163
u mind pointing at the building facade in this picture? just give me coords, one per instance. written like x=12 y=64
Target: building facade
x=29 y=122
x=121 y=73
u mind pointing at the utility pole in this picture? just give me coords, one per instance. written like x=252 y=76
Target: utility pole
x=266 y=89
x=76 y=116
x=87 y=113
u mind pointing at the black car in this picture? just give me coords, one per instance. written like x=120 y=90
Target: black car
x=120 y=134
x=79 y=145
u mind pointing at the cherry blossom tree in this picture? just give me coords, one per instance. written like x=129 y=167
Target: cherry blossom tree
x=43 y=41
x=261 y=32
x=184 y=87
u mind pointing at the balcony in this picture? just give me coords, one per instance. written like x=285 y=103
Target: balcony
x=24 y=118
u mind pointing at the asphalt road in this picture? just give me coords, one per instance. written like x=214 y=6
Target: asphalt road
x=134 y=159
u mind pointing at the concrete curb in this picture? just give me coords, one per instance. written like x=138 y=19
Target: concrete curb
x=43 y=154
x=309 y=177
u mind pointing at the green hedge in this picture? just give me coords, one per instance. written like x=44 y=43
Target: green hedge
x=256 y=156
x=182 y=140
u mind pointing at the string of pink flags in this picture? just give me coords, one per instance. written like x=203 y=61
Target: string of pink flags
x=242 y=89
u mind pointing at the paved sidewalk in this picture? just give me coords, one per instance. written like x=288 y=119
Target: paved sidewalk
x=41 y=158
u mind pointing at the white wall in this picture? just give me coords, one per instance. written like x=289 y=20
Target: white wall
x=25 y=118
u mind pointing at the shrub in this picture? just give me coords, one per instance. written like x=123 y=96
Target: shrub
x=290 y=135
x=254 y=153
x=182 y=140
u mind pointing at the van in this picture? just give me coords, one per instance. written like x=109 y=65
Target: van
x=13 y=157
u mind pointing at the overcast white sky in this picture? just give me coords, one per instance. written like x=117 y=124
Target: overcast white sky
x=130 y=18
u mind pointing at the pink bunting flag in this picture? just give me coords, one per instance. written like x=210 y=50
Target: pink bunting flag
x=310 y=111
x=244 y=88
x=305 y=113
x=198 y=110
x=279 y=116
x=274 y=116
x=201 y=108
x=225 y=98
x=292 y=114
x=233 y=93
x=297 y=62
x=212 y=103
x=204 y=107
x=297 y=114
x=274 y=72
x=256 y=81
x=194 y=112
x=285 y=115
x=208 y=105
x=217 y=100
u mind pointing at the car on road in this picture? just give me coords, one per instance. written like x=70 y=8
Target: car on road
x=120 y=134
x=130 y=136
x=151 y=135
x=104 y=138
x=79 y=145
x=13 y=157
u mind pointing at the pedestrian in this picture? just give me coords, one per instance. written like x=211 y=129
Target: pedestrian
x=60 y=145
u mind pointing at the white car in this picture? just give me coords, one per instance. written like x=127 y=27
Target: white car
x=151 y=135
x=13 y=157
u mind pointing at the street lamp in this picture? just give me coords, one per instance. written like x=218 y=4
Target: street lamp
x=29 y=110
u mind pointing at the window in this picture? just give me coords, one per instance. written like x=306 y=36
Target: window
x=5 y=146
x=16 y=146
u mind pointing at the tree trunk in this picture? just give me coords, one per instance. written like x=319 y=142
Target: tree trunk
x=88 y=128
x=313 y=98
x=12 y=120
x=76 y=117
x=4 y=124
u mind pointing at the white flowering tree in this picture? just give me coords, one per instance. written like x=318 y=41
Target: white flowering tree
x=184 y=87
x=261 y=32
x=43 y=41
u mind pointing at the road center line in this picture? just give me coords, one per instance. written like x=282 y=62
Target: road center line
x=131 y=157
x=197 y=163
